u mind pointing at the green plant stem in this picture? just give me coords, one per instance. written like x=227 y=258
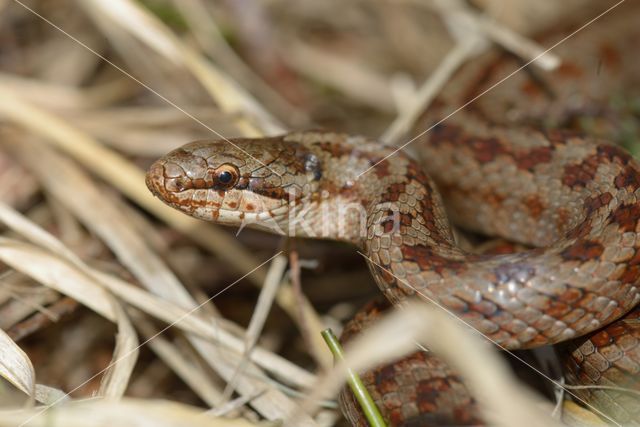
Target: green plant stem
x=363 y=397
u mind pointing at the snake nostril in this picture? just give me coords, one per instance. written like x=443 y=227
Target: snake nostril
x=178 y=185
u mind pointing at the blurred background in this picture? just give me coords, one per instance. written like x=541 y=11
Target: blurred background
x=92 y=91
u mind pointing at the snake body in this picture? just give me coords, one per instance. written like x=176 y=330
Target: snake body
x=575 y=199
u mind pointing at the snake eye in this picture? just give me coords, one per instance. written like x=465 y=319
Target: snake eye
x=226 y=176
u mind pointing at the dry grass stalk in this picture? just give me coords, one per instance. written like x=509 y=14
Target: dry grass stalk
x=92 y=296
x=258 y=318
x=228 y=95
x=186 y=367
x=16 y=367
x=397 y=334
x=129 y=412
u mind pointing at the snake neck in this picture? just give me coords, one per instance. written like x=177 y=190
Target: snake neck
x=406 y=221
x=369 y=196
x=406 y=209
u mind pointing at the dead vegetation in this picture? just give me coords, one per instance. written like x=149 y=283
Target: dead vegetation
x=110 y=301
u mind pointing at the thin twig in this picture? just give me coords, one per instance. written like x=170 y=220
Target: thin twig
x=63 y=307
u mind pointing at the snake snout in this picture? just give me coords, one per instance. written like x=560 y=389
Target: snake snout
x=155 y=179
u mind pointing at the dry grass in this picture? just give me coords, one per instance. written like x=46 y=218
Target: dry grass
x=166 y=308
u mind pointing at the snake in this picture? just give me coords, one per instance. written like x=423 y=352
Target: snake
x=517 y=163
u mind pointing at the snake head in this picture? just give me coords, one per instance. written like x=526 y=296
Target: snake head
x=236 y=182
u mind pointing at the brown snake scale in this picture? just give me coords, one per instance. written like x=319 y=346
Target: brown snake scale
x=515 y=164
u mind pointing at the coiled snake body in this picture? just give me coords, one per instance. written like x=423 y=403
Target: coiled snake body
x=575 y=199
